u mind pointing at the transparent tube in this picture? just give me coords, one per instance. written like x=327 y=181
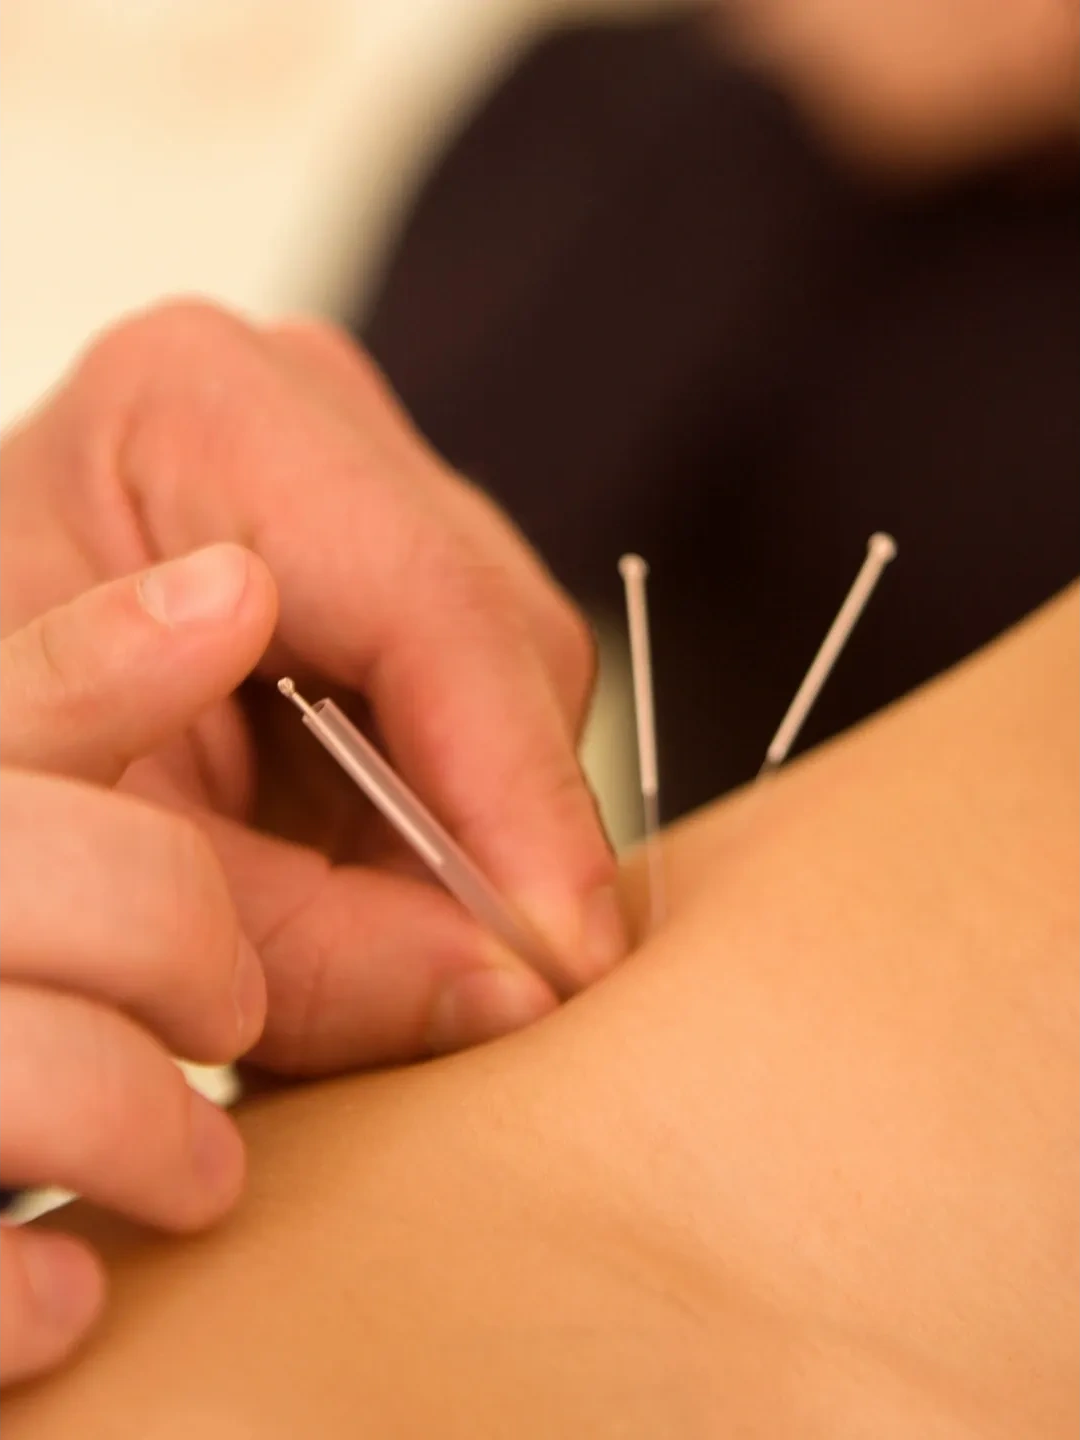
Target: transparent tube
x=432 y=842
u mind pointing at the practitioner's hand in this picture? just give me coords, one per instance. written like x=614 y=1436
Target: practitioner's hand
x=119 y=939
x=398 y=583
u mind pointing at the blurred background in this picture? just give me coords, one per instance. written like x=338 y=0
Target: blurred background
x=733 y=285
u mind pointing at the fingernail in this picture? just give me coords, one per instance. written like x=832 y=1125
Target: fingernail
x=206 y=585
x=482 y=1004
x=217 y=1151
x=66 y=1281
x=249 y=993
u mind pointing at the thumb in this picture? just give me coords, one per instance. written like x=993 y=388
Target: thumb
x=88 y=687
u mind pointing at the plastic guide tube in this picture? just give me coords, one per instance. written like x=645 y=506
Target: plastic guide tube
x=432 y=842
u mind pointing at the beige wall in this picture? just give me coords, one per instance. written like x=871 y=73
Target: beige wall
x=252 y=150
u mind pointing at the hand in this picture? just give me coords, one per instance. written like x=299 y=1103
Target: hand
x=919 y=87
x=119 y=939
x=398 y=582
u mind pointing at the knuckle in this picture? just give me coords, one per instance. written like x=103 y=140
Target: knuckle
x=31 y=1340
x=171 y=329
x=573 y=649
x=549 y=788
x=561 y=631
x=145 y=358
x=189 y=856
x=480 y=584
x=291 y=1044
x=567 y=795
x=17 y=1309
x=572 y=810
x=458 y=581
x=104 y=1107
x=59 y=670
x=57 y=680
x=52 y=668
x=200 y=932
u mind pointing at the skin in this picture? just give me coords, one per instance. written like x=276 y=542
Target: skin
x=200 y=502
x=805 y=1166
x=916 y=87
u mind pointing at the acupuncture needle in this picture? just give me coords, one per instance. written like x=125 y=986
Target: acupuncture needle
x=429 y=839
x=880 y=549
x=634 y=572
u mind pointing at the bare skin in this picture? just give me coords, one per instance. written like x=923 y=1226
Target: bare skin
x=916 y=87
x=805 y=1166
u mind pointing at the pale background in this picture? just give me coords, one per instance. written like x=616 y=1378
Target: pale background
x=257 y=151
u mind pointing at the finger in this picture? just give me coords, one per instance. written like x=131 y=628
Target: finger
x=564 y=639
x=473 y=723
x=125 y=903
x=378 y=593
x=89 y=1102
x=338 y=373
x=52 y=1290
x=88 y=686
x=366 y=968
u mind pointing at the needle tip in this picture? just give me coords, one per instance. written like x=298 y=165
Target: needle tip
x=633 y=567
x=882 y=546
x=288 y=689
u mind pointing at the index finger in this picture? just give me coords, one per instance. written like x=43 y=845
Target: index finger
x=380 y=589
